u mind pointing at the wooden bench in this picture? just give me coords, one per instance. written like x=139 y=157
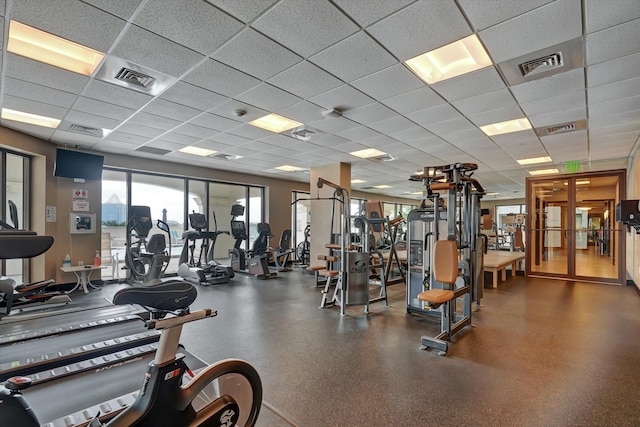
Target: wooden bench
x=497 y=262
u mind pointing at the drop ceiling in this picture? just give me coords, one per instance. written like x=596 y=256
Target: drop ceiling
x=297 y=58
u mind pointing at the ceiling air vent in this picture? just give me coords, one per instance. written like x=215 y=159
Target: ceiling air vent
x=134 y=77
x=153 y=150
x=561 y=129
x=540 y=65
x=227 y=156
x=385 y=158
x=86 y=130
x=302 y=133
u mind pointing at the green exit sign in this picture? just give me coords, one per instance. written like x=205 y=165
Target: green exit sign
x=572 y=166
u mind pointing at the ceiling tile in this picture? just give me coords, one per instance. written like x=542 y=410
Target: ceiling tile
x=567 y=101
x=72 y=20
x=175 y=139
x=392 y=81
x=617 y=106
x=305 y=80
x=268 y=97
x=84 y=119
x=435 y=114
x=189 y=26
x=546 y=26
x=603 y=14
x=220 y=78
x=33 y=107
x=213 y=121
x=303 y=112
x=333 y=125
x=370 y=113
x=194 y=131
x=485 y=14
x=497 y=115
x=140 y=130
x=392 y=124
x=354 y=57
x=612 y=71
x=116 y=95
x=46 y=75
x=443 y=20
x=613 y=42
x=366 y=13
x=37 y=131
x=305 y=26
x=613 y=91
x=171 y=110
x=193 y=96
x=486 y=101
x=448 y=126
x=468 y=85
x=244 y=11
x=415 y=100
x=151 y=120
x=558 y=117
x=105 y=109
x=358 y=133
x=344 y=98
x=144 y=48
x=123 y=8
x=72 y=138
x=256 y=55
x=40 y=93
x=551 y=86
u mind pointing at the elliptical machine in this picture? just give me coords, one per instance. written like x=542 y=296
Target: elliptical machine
x=255 y=261
x=146 y=260
x=16 y=244
x=208 y=272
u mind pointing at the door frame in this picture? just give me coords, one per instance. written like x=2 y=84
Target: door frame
x=618 y=230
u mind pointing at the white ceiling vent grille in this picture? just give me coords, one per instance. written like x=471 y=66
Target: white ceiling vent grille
x=561 y=128
x=153 y=150
x=134 y=77
x=223 y=156
x=540 y=65
x=85 y=130
x=569 y=127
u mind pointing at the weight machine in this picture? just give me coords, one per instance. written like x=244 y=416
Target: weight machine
x=355 y=261
x=446 y=250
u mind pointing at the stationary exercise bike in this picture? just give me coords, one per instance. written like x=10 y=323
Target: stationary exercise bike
x=227 y=393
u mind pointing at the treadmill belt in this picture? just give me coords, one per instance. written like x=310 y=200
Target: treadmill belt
x=58 y=398
x=53 y=344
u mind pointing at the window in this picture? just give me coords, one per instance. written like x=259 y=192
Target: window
x=114 y=221
x=15 y=177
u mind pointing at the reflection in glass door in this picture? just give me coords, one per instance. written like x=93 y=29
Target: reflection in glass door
x=573 y=227
x=549 y=245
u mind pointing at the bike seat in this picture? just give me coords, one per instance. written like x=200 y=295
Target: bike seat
x=173 y=295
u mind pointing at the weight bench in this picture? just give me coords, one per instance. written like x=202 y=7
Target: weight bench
x=445 y=271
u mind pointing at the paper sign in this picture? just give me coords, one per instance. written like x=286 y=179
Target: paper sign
x=80 y=206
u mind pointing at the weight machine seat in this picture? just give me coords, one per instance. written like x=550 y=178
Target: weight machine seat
x=167 y=296
x=445 y=270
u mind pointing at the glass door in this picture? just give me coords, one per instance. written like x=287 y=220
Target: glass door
x=573 y=230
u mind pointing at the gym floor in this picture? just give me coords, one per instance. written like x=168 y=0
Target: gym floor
x=542 y=353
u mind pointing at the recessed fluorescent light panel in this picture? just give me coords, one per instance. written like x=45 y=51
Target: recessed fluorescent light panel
x=197 y=151
x=287 y=168
x=275 y=123
x=452 y=60
x=534 y=160
x=53 y=50
x=543 y=171
x=357 y=181
x=368 y=153
x=32 y=119
x=382 y=186
x=506 y=127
